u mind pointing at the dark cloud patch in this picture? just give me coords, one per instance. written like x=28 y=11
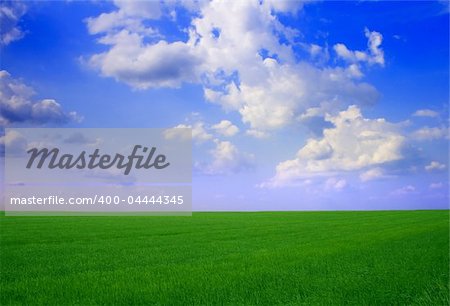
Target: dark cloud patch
x=17 y=105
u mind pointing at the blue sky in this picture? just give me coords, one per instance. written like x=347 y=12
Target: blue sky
x=323 y=105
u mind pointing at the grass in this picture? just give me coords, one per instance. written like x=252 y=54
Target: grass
x=289 y=258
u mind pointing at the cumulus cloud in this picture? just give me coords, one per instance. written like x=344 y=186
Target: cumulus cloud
x=335 y=184
x=239 y=51
x=199 y=133
x=284 y=91
x=226 y=159
x=318 y=53
x=137 y=53
x=271 y=87
x=371 y=174
x=373 y=55
x=130 y=15
x=178 y=132
x=434 y=165
x=226 y=128
x=10 y=14
x=143 y=65
x=291 y=7
x=17 y=105
x=426 y=113
x=353 y=143
x=430 y=133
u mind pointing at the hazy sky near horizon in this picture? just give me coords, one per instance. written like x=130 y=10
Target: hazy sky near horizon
x=293 y=106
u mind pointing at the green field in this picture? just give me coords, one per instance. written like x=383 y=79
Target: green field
x=288 y=258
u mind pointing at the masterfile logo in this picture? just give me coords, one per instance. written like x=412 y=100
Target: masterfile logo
x=53 y=159
x=98 y=171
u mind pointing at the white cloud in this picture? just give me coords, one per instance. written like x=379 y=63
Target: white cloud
x=291 y=7
x=199 y=132
x=316 y=150
x=426 y=113
x=130 y=14
x=311 y=113
x=285 y=91
x=351 y=56
x=16 y=105
x=434 y=165
x=178 y=132
x=373 y=55
x=143 y=65
x=353 y=143
x=374 y=43
x=427 y=133
x=226 y=128
x=235 y=51
x=10 y=14
x=257 y=133
x=318 y=53
x=335 y=184
x=138 y=55
x=371 y=174
x=48 y=110
x=226 y=159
